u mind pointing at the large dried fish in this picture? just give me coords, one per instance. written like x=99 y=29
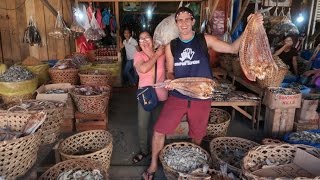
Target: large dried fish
x=255 y=56
x=194 y=87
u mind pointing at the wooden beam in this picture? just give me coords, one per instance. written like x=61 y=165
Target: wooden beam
x=52 y=10
x=139 y=1
x=243 y=10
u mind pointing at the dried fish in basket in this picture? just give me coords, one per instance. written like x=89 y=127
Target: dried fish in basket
x=195 y=87
x=31 y=34
x=87 y=168
x=273 y=155
x=255 y=56
x=182 y=157
x=310 y=137
x=16 y=74
x=230 y=151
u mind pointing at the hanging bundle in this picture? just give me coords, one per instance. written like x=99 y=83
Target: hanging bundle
x=75 y=26
x=31 y=34
x=283 y=25
x=60 y=30
x=94 y=32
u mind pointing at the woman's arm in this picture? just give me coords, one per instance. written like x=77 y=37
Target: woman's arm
x=144 y=67
x=169 y=62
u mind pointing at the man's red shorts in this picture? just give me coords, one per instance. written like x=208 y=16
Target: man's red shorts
x=173 y=111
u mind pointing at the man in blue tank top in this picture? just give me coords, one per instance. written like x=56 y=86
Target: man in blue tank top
x=187 y=60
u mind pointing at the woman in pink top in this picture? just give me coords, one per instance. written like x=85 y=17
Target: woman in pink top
x=144 y=62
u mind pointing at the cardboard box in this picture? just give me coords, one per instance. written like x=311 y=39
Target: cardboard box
x=278 y=121
x=309 y=104
x=306 y=116
x=55 y=97
x=303 y=165
x=279 y=101
x=305 y=126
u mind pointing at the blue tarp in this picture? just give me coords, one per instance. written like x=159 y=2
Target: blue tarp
x=317 y=145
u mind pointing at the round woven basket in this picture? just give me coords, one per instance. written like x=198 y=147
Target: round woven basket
x=98 y=144
x=95 y=77
x=16 y=98
x=73 y=164
x=64 y=76
x=51 y=127
x=17 y=156
x=95 y=104
x=267 y=141
x=276 y=77
x=219 y=145
x=218 y=123
x=282 y=154
x=171 y=173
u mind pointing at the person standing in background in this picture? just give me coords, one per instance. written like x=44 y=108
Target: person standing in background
x=131 y=47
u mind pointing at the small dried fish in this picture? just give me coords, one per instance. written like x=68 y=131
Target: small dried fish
x=89 y=90
x=305 y=136
x=56 y=91
x=34 y=105
x=95 y=174
x=8 y=134
x=16 y=74
x=284 y=91
x=186 y=159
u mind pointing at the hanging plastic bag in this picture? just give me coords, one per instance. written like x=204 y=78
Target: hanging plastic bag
x=94 y=32
x=166 y=31
x=31 y=34
x=60 y=30
x=75 y=26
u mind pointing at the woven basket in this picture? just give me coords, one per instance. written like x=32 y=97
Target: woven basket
x=64 y=76
x=95 y=77
x=219 y=144
x=95 y=104
x=276 y=77
x=218 y=123
x=99 y=142
x=19 y=155
x=267 y=141
x=236 y=68
x=16 y=98
x=171 y=173
x=51 y=127
x=282 y=154
x=226 y=61
x=72 y=164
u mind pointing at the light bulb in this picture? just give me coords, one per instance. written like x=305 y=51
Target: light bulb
x=300 y=18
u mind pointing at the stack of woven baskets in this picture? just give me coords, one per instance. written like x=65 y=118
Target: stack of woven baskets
x=218 y=123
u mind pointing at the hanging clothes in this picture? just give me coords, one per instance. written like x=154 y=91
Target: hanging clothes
x=99 y=18
x=106 y=17
x=113 y=24
x=90 y=11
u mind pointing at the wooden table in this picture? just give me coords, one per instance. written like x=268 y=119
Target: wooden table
x=236 y=105
x=252 y=87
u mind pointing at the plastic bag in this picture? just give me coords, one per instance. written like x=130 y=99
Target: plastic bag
x=60 y=30
x=166 y=31
x=31 y=34
x=94 y=32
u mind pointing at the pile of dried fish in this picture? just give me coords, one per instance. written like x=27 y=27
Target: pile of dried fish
x=255 y=56
x=34 y=105
x=31 y=61
x=16 y=74
x=231 y=157
x=31 y=34
x=305 y=136
x=79 y=59
x=284 y=91
x=195 y=87
x=81 y=174
x=186 y=159
x=56 y=91
x=89 y=90
x=65 y=64
x=297 y=86
x=8 y=134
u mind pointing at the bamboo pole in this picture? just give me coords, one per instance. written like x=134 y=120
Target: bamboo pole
x=243 y=10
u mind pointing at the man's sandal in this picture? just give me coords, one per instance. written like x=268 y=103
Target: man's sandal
x=148 y=175
x=139 y=157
